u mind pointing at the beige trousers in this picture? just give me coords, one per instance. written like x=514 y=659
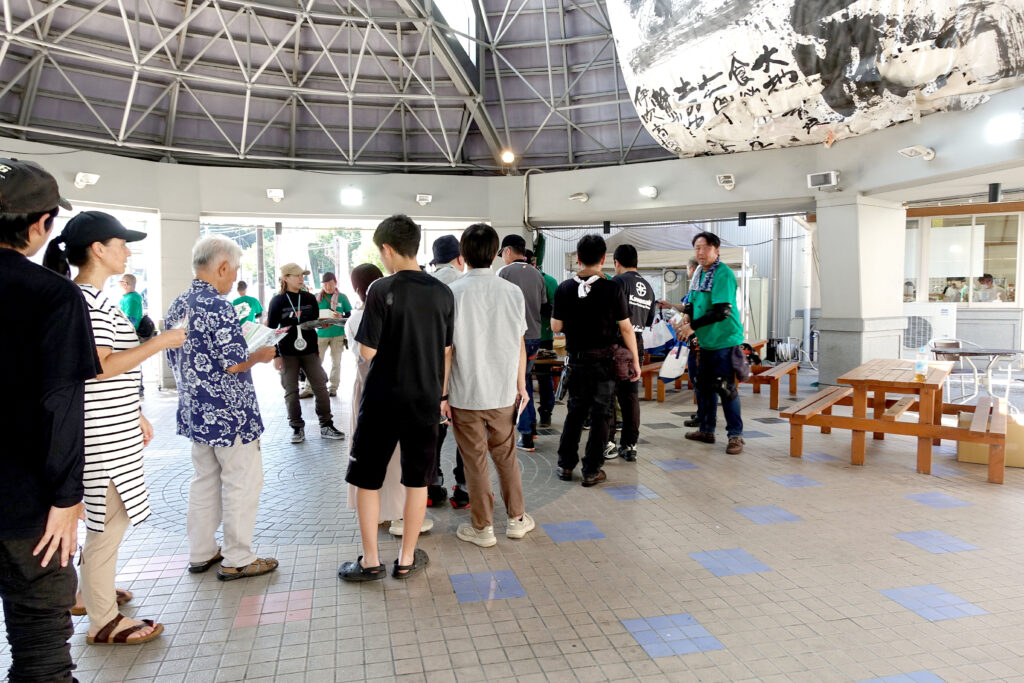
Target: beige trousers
x=99 y=562
x=476 y=433
x=336 y=345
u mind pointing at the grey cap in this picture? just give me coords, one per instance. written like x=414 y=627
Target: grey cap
x=25 y=188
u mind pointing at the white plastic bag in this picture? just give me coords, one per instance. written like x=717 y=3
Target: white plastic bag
x=675 y=363
x=657 y=335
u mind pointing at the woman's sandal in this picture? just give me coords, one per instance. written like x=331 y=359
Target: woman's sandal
x=355 y=571
x=420 y=560
x=256 y=568
x=104 y=637
x=123 y=598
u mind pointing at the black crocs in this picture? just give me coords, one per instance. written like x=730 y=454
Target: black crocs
x=355 y=571
x=420 y=560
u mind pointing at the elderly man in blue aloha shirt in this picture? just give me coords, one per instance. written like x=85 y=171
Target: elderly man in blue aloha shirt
x=218 y=412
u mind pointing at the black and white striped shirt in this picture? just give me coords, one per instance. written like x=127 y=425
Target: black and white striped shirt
x=113 y=436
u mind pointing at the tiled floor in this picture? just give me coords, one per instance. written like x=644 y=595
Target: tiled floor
x=666 y=572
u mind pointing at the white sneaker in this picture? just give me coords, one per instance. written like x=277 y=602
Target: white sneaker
x=397 y=527
x=611 y=451
x=517 y=528
x=481 y=537
x=306 y=391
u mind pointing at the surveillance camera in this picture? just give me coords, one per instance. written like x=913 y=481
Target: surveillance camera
x=424 y=199
x=726 y=180
x=918 y=151
x=275 y=195
x=83 y=180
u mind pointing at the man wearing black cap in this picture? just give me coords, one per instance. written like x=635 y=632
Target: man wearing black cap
x=520 y=273
x=448 y=267
x=332 y=337
x=43 y=421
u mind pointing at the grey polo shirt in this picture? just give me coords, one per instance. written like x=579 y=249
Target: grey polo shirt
x=447 y=273
x=529 y=280
x=489 y=327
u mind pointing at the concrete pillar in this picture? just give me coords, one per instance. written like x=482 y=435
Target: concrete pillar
x=860 y=252
x=176 y=235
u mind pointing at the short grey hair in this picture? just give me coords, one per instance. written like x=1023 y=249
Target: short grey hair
x=210 y=251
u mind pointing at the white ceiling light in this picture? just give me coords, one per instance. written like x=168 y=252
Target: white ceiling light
x=352 y=196
x=918 y=152
x=507 y=157
x=726 y=180
x=86 y=179
x=649 y=191
x=275 y=194
x=1004 y=128
x=581 y=197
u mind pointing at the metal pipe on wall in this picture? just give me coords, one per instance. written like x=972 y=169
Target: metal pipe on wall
x=776 y=246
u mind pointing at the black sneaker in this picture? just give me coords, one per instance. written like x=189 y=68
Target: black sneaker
x=328 y=431
x=525 y=443
x=628 y=453
x=460 y=498
x=436 y=495
x=691 y=422
x=298 y=435
x=545 y=421
x=586 y=423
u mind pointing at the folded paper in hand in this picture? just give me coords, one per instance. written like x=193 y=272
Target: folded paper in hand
x=242 y=310
x=258 y=336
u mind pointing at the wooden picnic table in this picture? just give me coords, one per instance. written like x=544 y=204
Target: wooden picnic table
x=887 y=375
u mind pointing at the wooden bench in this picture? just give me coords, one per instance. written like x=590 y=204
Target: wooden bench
x=649 y=374
x=773 y=378
x=821 y=403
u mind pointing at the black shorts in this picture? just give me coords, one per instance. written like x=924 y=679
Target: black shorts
x=374 y=443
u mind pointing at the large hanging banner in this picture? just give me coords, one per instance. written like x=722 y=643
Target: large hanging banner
x=716 y=76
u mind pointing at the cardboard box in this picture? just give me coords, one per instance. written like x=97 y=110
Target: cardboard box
x=967 y=451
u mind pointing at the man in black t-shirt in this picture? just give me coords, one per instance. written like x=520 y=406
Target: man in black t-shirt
x=593 y=314
x=406 y=335
x=640 y=301
x=50 y=353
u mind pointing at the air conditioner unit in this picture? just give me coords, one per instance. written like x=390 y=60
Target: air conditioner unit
x=926 y=322
x=826 y=180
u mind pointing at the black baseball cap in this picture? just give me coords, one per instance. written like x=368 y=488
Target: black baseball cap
x=515 y=241
x=446 y=250
x=328 y=277
x=25 y=188
x=96 y=226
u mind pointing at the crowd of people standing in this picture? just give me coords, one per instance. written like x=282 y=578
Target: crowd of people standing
x=448 y=350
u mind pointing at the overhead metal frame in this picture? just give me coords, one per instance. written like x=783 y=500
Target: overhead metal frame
x=314 y=84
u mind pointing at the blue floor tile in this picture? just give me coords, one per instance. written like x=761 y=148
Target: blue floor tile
x=638 y=492
x=936 y=541
x=913 y=677
x=730 y=562
x=755 y=435
x=673 y=465
x=482 y=586
x=767 y=514
x=674 y=634
x=582 y=530
x=933 y=603
x=819 y=456
x=938 y=500
x=794 y=481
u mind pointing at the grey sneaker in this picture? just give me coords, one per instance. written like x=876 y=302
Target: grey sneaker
x=611 y=451
x=481 y=537
x=517 y=528
x=329 y=432
x=306 y=391
x=298 y=435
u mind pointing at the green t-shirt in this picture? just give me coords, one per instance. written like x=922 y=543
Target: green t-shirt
x=728 y=332
x=131 y=304
x=550 y=285
x=343 y=307
x=255 y=308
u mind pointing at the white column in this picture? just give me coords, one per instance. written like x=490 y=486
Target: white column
x=177 y=234
x=860 y=249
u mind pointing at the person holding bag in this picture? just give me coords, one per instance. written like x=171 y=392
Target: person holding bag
x=116 y=431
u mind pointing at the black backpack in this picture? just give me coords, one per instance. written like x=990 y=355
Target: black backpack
x=146 y=328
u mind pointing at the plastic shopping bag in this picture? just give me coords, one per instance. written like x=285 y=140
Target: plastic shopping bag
x=675 y=363
x=658 y=334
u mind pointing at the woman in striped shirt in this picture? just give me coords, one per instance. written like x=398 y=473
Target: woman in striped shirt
x=115 y=429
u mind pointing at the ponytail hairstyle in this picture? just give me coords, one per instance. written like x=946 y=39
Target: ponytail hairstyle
x=284 y=287
x=60 y=260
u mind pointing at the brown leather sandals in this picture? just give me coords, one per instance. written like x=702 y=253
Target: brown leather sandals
x=106 y=635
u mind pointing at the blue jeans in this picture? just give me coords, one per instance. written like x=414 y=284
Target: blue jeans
x=715 y=374
x=528 y=420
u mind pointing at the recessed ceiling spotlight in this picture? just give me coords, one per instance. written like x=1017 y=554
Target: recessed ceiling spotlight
x=918 y=152
x=649 y=191
x=351 y=196
x=508 y=156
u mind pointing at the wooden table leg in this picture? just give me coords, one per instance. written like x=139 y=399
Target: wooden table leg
x=860 y=409
x=792 y=383
x=796 y=439
x=773 y=402
x=996 y=462
x=879 y=410
x=924 y=444
x=937 y=412
x=648 y=387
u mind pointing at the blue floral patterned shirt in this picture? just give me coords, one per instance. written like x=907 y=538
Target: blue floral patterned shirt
x=214 y=406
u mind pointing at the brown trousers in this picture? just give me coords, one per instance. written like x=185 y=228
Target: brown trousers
x=476 y=433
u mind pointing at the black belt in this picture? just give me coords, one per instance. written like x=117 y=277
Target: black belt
x=591 y=355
